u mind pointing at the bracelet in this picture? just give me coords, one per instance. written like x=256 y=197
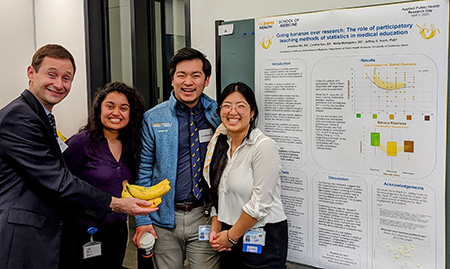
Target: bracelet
x=234 y=242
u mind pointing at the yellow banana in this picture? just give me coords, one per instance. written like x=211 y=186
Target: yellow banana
x=148 y=193
x=161 y=187
x=385 y=84
x=125 y=193
x=155 y=202
x=143 y=192
x=143 y=188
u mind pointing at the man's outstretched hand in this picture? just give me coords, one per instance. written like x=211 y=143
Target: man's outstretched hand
x=131 y=206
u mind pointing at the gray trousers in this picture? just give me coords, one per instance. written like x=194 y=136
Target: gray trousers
x=175 y=245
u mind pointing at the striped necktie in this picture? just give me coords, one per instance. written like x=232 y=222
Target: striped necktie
x=51 y=119
x=195 y=156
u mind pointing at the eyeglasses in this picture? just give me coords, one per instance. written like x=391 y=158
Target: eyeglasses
x=239 y=107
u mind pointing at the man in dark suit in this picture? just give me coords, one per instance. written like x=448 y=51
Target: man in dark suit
x=36 y=188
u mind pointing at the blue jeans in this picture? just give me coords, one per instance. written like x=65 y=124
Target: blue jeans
x=175 y=245
x=273 y=255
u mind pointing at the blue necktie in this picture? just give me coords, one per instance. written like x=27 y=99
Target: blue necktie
x=51 y=119
x=195 y=156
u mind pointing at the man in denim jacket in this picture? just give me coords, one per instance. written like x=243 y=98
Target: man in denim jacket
x=166 y=154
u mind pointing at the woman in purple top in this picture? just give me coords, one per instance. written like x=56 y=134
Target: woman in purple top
x=105 y=153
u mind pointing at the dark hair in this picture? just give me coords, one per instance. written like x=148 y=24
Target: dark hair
x=189 y=54
x=51 y=50
x=131 y=134
x=219 y=157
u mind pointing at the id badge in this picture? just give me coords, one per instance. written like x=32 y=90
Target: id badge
x=205 y=135
x=254 y=240
x=203 y=232
x=92 y=249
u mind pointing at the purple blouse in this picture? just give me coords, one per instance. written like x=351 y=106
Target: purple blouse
x=93 y=162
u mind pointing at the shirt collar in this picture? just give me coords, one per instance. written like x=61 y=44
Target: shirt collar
x=46 y=110
x=182 y=108
x=250 y=139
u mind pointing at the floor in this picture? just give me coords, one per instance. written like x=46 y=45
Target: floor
x=130 y=261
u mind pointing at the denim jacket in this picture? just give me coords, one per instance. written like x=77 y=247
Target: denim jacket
x=160 y=154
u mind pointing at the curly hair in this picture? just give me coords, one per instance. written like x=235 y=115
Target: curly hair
x=131 y=134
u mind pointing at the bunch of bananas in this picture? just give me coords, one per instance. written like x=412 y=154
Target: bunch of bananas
x=152 y=194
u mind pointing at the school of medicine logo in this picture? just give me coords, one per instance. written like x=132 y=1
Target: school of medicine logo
x=428 y=33
x=263 y=25
x=266 y=43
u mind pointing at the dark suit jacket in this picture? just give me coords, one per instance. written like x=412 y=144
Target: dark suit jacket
x=36 y=188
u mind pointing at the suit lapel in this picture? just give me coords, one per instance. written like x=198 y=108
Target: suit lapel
x=37 y=107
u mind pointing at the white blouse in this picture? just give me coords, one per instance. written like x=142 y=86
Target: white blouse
x=251 y=182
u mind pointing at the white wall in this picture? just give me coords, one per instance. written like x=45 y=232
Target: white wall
x=16 y=48
x=26 y=25
x=62 y=22
x=204 y=13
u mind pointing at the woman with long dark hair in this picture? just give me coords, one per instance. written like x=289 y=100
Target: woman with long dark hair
x=244 y=175
x=104 y=153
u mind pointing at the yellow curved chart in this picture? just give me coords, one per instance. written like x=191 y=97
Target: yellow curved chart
x=385 y=84
x=384 y=148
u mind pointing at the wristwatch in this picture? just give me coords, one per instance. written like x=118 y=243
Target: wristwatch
x=233 y=242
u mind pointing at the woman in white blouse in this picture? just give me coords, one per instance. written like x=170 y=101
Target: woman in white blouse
x=243 y=169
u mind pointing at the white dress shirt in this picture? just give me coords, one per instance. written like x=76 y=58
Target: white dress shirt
x=251 y=182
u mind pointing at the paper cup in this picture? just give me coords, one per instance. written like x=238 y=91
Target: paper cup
x=147 y=243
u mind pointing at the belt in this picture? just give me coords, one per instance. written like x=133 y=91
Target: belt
x=187 y=206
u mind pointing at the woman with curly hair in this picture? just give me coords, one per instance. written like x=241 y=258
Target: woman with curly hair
x=105 y=153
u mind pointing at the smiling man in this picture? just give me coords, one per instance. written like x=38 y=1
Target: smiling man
x=52 y=84
x=36 y=189
x=169 y=152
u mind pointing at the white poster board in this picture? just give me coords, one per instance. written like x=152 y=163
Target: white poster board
x=356 y=100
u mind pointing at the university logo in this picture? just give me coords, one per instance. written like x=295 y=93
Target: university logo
x=262 y=25
x=266 y=43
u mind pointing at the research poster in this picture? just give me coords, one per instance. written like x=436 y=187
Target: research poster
x=356 y=100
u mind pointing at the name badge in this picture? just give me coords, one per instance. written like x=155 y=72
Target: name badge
x=203 y=232
x=205 y=135
x=252 y=248
x=92 y=249
x=254 y=240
